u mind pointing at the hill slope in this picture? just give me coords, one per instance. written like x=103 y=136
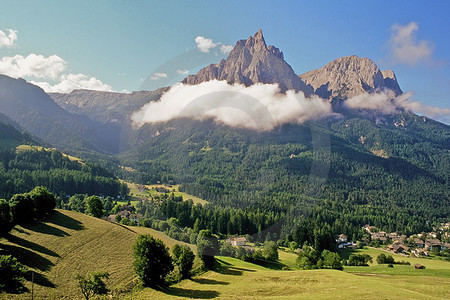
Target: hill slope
x=71 y=243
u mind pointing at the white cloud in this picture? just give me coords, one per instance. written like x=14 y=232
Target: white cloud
x=182 y=72
x=71 y=82
x=8 y=39
x=386 y=103
x=405 y=47
x=259 y=107
x=156 y=76
x=33 y=65
x=225 y=49
x=204 y=44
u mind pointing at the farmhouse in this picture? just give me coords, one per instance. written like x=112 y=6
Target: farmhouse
x=398 y=248
x=237 y=241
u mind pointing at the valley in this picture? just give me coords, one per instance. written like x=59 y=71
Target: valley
x=244 y=172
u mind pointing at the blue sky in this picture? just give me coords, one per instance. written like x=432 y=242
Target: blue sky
x=118 y=44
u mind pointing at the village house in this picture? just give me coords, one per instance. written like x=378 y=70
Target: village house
x=342 y=238
x=419 y=243
x=135 y=217
x=398 y=248
x=237 y=241
x=433 y=243
x=369 y=228
x=419 y=252
x=379 y=236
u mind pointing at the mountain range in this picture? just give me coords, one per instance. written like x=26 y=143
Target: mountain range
x=396 y=162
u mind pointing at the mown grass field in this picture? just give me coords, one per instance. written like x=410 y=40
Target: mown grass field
x=71 y=243
x=236 y=279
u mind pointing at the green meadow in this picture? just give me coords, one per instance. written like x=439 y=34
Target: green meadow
x=71 y=243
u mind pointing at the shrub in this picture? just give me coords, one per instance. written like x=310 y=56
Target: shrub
x=12 y=274
x=183 y=257
x=152 y=261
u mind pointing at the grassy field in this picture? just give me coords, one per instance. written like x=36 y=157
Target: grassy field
x=20 y=148
x=236 y=279
x=72 y=243
x=151 y=190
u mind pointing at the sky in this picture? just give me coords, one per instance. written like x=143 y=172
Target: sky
x=128 y=45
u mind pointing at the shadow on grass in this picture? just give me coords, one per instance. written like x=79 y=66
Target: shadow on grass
x=30 y=245
x=273 y=265
x=27 y=257
x=46 y=229
x=209 y=281
x=39 y=279
x=65 y=221
x=189 y=293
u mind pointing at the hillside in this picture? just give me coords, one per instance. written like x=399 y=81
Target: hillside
x=71 y=243
x=31 y=108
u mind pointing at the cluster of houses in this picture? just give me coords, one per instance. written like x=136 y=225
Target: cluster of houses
x=126 y=212
x=418 y=245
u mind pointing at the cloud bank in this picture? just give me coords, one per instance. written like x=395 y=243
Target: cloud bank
x=156 y=76
x=8 y=39
x=32 y=65
x=71 y=82
x=387 y=103
x=203 y=44
x=259 y=107
x=405 y=47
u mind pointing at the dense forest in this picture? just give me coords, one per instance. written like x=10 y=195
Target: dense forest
x=325 y=178
x=37 y=166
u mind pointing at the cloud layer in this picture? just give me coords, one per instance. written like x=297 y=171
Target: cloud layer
x=71 y=82
x=387 y=103
x=405 y=47
x=32 y=65
x=259 y=107
x=204 y=44
x=8 y=39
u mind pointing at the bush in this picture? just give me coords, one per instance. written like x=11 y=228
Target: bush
x=5 y=217
x=94 y=206
x=359 y=260
x=270 y=251
x=207 y=248
x=385 y=259
x=93 y=284
x=152 y=261
x=183 y=257
x=12 y=274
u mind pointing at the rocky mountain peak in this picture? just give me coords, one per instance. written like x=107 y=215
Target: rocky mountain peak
x=349 y=76
x=250 y=62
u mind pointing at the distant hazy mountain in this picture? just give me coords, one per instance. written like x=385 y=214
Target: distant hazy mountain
x=30 y=107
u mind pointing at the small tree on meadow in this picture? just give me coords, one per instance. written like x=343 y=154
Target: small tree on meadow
x=270 y=251
x=93 y=284
x=183 y=257
x=12 y=274
x=207 y=248
x=5 y=217
x=94 y=206
x=152 y=261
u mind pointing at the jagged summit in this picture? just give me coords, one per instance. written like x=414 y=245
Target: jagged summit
x=349 y=76
x=252 y=61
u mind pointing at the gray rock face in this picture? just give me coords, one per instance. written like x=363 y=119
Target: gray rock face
x=350 y=76
x=250 y=62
